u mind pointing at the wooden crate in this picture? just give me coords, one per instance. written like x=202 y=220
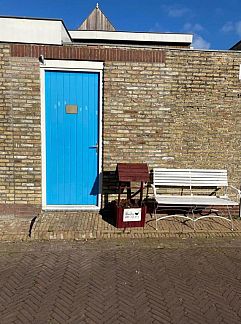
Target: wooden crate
x=121 y=223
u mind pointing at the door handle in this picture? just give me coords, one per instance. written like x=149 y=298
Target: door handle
x=96 y=146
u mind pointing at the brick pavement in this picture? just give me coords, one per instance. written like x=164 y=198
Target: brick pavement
x=89 y=225
x=14 y=228
x=113 y=281
x=84 y=225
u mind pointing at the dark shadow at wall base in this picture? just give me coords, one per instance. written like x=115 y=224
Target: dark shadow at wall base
x=31 y=225
x=108 y=213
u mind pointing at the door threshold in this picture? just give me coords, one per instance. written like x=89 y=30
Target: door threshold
x=71 y=207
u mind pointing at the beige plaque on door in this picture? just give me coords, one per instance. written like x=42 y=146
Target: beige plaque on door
x=71 y=109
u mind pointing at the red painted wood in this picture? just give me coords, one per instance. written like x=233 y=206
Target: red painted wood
x=121 y=224
x=132 y=172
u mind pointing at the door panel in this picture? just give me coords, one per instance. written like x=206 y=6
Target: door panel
x=71 y=133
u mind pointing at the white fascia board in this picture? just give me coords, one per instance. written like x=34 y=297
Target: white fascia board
x=65 y=36
x=33 y=31
x=127 y=36
x=75 y=65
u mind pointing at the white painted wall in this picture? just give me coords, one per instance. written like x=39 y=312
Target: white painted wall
x=34 y=31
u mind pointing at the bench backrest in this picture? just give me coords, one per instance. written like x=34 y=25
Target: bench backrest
x=190 y=177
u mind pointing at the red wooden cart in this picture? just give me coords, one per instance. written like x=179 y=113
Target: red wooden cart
x=131 y=212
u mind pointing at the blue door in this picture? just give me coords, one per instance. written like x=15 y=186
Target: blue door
x=72 y=107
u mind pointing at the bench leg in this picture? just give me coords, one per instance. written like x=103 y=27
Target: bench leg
x=222 y=216
x=155 y=216
x=231 y=219
x=193 y=219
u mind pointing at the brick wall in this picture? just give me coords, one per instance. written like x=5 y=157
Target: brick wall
x=183 y=110
x=136 y=118
x=20 y=116
x=206 y=108
x=6 y=125
x=91 y=53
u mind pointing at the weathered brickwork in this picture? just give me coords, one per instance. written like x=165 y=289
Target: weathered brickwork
x=205 y=105
x=135 y=114
x=184 y=111
x=21 y=130
x=25 y=97
x=90 y=52
x=6 y=127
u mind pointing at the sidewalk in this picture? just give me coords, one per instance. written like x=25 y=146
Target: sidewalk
x=89 y=225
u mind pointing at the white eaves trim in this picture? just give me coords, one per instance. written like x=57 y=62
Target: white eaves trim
x=54 y=32
x=75 y=65
x=127 y=36
x=33 y=31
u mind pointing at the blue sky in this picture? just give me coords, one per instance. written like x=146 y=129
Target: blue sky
x=216 y=24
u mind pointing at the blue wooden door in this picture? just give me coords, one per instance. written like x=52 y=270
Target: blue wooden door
x=72 y=106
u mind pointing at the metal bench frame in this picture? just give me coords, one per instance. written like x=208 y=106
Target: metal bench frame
x=193 y=179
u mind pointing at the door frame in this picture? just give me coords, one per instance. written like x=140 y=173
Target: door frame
x=69 y=66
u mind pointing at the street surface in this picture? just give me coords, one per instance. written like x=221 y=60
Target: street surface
x=121 y=281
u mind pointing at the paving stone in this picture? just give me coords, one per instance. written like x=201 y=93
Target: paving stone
x=89 y=225
x=113 y=281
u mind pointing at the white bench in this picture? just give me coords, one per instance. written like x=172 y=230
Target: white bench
x=189 y=180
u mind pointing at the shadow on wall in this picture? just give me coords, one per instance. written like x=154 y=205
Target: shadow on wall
x=109 y=186
x=95 y=188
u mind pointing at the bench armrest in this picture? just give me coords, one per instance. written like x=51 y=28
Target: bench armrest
x=235 y=190
x=150 y=185
x=154 y=189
